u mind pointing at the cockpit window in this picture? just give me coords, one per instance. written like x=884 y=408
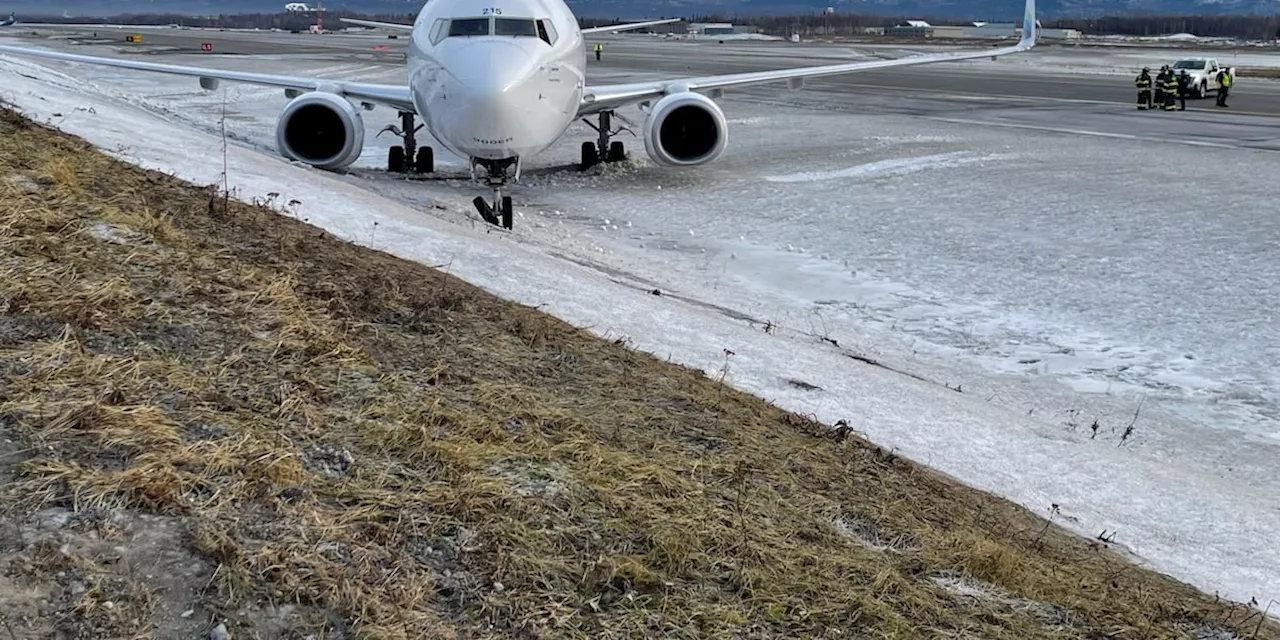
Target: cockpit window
x=469 y=27
x=514 y=27
x=546 y=32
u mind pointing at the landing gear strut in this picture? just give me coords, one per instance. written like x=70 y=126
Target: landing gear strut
x=500 y=212
x=401 y=159
x=603 y=150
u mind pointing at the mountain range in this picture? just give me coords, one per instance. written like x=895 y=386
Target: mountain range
x=628 y=9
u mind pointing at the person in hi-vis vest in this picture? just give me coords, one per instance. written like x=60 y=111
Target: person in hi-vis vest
x=599 y=47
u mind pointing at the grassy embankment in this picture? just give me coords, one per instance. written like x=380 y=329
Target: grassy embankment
x=222 y=414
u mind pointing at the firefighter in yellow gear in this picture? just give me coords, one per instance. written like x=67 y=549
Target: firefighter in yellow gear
x=1170 y=91
x=1143 y=82
x=1158 y=86
x=598 y=48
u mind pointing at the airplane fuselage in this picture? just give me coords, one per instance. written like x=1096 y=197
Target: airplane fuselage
x=496 y=79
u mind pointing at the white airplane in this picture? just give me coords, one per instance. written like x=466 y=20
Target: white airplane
x=500 y=81
x=297 y=6
x=11 y=20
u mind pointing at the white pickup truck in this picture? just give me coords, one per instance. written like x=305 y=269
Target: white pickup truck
x=1204 y=74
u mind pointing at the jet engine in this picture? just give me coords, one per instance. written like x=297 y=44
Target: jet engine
x=321 y=129
x=685 y=129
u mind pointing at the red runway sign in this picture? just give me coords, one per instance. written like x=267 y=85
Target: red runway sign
x=206 y=46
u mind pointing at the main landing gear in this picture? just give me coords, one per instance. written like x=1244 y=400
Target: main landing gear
x=410 y=157
x=604 y=150
x=500 y=212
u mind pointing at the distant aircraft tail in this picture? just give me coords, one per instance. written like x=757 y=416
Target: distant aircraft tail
x=8 y=21
x=1029 y=25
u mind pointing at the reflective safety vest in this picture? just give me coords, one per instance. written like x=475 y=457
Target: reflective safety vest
x=1226 y=79
x=1143 y=82
x=599 y=47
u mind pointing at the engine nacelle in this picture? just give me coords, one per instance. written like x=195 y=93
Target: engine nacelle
x=685 y=129
x=321 y=129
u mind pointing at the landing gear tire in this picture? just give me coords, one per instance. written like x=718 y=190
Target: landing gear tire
x=409 y=157
x=503 y=216
x=426 y=160
x=395 y=159
x=591 y=154
x=604 y=149
x=500 y=213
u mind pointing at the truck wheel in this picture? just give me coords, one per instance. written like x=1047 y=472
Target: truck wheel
x=1201 y=92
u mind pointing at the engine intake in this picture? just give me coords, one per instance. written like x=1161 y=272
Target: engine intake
x=685 y=129
x=321 y=129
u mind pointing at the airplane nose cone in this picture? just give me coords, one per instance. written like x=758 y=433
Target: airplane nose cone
x=492 y=68
x=492 y=96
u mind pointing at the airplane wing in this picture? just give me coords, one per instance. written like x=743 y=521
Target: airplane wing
x=608 y=97
x=626 y=27
x=396 y=96
x=379 y=25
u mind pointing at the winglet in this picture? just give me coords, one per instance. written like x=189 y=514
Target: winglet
x=1029 y=35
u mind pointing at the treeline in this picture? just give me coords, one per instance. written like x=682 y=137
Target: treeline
x=1249 y=27
x=1252 y=27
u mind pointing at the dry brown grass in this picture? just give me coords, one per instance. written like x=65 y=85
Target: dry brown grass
x=398 y=455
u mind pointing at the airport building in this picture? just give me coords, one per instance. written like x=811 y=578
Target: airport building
x=718 y=29
x=911 y=29
x=976 y=30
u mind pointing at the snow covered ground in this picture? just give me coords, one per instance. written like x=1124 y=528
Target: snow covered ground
x=1019 y=287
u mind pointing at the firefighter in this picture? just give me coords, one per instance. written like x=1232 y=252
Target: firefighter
x=1224 y=87
x=1143 y=82
x=1159 y=88
x=1184 y=87
x=1170 y=91
x=598 y=48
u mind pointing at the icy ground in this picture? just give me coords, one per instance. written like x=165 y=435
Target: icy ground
x=1024 y=286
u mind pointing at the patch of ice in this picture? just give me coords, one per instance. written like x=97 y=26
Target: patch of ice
x=971 y=588
x=894 y=166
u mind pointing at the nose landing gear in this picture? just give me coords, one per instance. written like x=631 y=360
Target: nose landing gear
x=402 y=159
x=500 y=212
